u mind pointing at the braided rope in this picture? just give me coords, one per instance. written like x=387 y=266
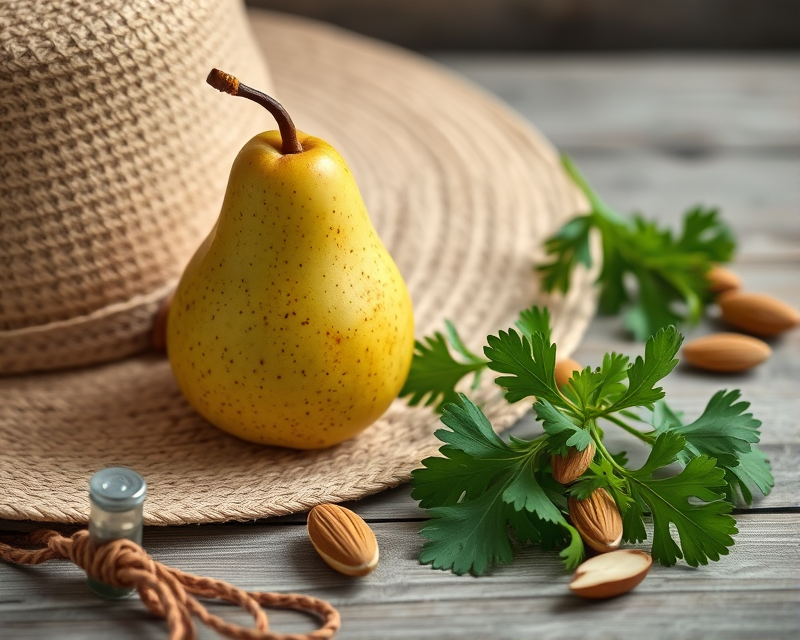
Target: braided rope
x=169 y=593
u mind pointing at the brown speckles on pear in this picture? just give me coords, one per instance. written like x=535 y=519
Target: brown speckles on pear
x=301 y=306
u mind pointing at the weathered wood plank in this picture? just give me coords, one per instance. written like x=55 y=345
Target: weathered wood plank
x=760 y=572
x=281 y=558
x=647 y=133
x=683 y=105
x=762 y=614
x=757 y=615
x=757 y=195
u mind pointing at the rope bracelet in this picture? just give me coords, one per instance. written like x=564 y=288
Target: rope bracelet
x=169 y=593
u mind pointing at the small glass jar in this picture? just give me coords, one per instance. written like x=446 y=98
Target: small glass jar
x=116 y=496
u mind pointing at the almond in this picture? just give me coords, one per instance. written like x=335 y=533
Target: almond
x=158 y=336
x=598 y=521
x=572 y=466
x=726 y=352
x=610 y=574
x=721 y=279
x=343 y=540
x=758 y=313
x=564 y=370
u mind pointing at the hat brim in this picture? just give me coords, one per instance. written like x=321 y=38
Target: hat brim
x=462 y=192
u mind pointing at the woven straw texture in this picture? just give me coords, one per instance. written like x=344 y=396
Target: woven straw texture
x=113 y=160
x=461 y=191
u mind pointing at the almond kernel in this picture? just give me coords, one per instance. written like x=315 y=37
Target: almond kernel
x=572 y=466
x=564 y=370
x=726 y=352
x=721 y=279
x=598 y=521
x=610 y=574
x=343 y=540
x=758 y=313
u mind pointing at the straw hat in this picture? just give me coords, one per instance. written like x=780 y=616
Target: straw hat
x=114 y=156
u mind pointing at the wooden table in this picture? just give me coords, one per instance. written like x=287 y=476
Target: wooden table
x=652 y=133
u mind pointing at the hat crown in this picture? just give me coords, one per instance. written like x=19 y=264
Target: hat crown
x=114 y=157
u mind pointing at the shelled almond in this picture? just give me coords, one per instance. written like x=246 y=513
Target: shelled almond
x=722 y=279
x=611 y=574
x=343 y=540
x=572 y=466
x=598 y=520
x=564 y=370
x=726 y=352
x=758 y=313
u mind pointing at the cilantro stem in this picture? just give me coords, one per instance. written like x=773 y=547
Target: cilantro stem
x=571 y=409
x=598 y=206
x=598 y=441
x=644 y=437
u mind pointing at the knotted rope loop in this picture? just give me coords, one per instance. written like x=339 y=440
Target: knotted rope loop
x=169 y=593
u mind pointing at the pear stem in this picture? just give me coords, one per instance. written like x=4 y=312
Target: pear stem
x=226 y=83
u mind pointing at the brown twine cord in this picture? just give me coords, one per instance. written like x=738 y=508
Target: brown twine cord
x=169 y=593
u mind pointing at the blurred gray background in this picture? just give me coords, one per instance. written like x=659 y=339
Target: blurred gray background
x=562 y=25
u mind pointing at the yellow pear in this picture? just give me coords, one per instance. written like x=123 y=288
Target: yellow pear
x=291 y=325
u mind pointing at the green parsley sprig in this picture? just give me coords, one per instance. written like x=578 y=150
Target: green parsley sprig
x=669 y=271
x=435 y=372
x=483 y=491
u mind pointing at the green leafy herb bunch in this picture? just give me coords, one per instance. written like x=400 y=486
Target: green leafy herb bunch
x=484 y=494
x=668 y=272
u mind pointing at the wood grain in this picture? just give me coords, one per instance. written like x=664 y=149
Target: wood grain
x=689 y=105
x=281 y=558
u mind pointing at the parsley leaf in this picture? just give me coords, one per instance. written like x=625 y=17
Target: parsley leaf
x=527 y=528
x=469 y=536
x=703 y=233
x=613 y=372
x=726 y=433
x=434 y=372
x=651 y=310
x=659 y=360
x=570 y=246
x=461 y=349
x=723 y=431
x=474 y=456
x=563 y=432
x=669 y=271
x=704 y=530
x=584 y=388
x=752 y=472
x=524 y=492
x=531 y=364
x=572 y=554
x=534 y=320
x=470 y=514
x=446 y=480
